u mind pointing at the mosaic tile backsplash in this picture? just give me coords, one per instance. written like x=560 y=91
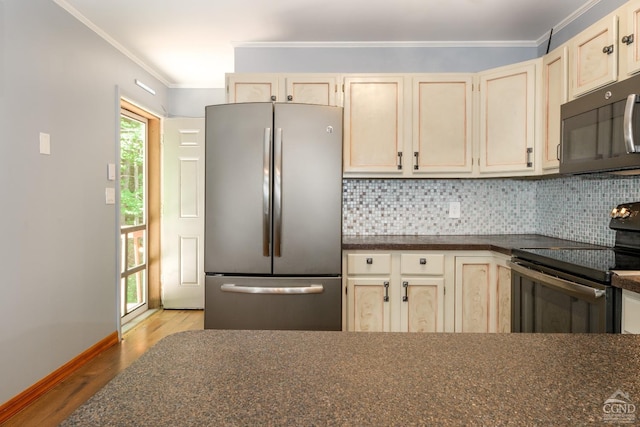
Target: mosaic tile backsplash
x=574 y=208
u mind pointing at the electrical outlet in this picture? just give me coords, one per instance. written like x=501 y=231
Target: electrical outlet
x=454 y=209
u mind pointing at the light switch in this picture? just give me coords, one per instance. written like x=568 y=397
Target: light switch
x=45 y=143
x=454 y=209
x=110 y=195
x=111 y=172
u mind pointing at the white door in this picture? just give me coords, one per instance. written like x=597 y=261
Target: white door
x=183 y=214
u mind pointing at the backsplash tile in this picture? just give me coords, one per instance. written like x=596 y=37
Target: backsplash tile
x=574 y=208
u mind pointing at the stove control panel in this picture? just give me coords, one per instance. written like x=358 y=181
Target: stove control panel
x=620 y=212
x=625 y=217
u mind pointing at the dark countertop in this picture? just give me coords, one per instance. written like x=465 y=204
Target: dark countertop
x=502 y=243
x=218 y=377
x=630 y=282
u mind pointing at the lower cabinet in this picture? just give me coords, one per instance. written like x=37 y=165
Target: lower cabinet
x=483 y=294
x=424 y=291
x=630 y=312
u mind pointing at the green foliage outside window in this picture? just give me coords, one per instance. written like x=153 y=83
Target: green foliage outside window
x=132 y=154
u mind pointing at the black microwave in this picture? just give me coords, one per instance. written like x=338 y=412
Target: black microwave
x=601 y=130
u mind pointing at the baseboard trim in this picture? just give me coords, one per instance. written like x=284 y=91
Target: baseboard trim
x=24 y=399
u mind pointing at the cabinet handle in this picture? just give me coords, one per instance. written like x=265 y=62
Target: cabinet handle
x=608 y=49
x=405 y=285
x=627 y=39
x=417 y=165
x=529 y=153
x=423 y=261
x=386 y=292
x=399 y=160
x=558 y=152
x=369 y=260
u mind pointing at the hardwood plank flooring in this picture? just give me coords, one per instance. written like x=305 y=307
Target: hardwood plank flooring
x=57 y=404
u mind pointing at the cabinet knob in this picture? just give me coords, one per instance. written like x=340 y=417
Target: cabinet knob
x=369 y=260
x=423 y=261
x=273 y=97
x=608 y=49
x=627 y=39
x=289 y=97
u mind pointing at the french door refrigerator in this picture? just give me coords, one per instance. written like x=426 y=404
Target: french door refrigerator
x=273 y=216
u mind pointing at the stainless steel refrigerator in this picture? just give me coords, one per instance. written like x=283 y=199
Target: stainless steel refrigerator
x=273 y=223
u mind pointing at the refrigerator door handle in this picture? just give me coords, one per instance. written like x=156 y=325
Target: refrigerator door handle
x=266 y=193
x=311 y=289
x=277 y=194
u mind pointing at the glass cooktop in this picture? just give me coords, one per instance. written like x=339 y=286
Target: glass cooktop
x=595 y=264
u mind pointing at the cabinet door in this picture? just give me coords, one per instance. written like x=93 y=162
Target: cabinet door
x=422 y=307
x=368 y=304
x=373 y=124
x=555 y=75
x=629 y=43
x=630 y=312
x=252 y=88
x=311 y=89
x=475 y=295
x=442 y=124
x=503 y=295
x=507 y=119
x=595 y=56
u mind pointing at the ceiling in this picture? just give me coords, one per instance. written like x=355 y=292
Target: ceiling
x=189 y=43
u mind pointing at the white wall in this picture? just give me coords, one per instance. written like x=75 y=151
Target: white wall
x=58 y=237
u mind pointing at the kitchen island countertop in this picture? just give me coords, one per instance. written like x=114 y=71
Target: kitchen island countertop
x=218 y=377
x=502 y=243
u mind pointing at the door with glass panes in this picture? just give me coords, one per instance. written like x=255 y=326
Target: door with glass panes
x=133 y=215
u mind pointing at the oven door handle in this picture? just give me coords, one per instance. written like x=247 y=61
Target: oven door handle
x=571 y=288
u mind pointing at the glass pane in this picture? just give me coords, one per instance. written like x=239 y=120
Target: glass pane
x=135 y=249
x=135 y=290
x=132 y=171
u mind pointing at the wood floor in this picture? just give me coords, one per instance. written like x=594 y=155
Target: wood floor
x=56 y=405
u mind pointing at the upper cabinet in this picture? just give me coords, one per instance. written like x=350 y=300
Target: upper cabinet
x=374 y=125
x=507 y=119
x=555 y=78
x=628 y=38
x=594 y=56
x=305 y=89
x=442 y=124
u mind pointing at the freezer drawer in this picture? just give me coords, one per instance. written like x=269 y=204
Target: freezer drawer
x=288 y=303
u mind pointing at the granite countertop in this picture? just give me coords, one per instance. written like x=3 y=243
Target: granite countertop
x=502 y=243
x=220 y=377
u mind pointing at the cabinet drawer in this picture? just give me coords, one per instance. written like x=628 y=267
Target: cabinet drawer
x=431 y=264
x=368 y=263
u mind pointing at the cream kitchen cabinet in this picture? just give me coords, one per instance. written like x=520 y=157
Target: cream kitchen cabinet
x=507 y=120
x=397 y=291
x=594 y=56
x=368 y=279
x=555 y=88
x=442 y=125
x=301 y=88
x=423 y=292
x=630 y=312
x=482 y=293
x=374 y=125
x=503 y=293
x=629 y=44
